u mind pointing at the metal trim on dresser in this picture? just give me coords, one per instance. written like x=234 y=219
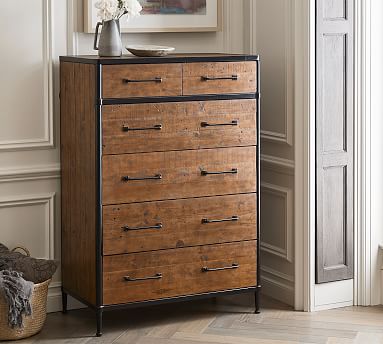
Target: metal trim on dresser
x=257 y=296
x=99 y=306
x=99 y=246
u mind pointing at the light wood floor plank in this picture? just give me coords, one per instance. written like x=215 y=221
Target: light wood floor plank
x=227 y=321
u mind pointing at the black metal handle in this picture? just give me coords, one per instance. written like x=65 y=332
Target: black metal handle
x=127 y=178
x=212 y=78
x=128 y=228
x=232 y=171
x=155 y=127
x=156 y=79
x=95 y=45
x=206 y=124
x=131 y=279
x=231 y=219
x=233 y=266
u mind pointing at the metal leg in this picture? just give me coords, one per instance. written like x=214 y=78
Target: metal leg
x=257 y=297
x=64 y=300
x=99 y=322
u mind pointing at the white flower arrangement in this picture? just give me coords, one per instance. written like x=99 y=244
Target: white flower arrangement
x=115 y=9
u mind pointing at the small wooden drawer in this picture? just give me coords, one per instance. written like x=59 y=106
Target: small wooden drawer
x=176 y=126
x=220 y=77
x=150 y=226
x=186 y=271
x=181 y=174
x=126 y=81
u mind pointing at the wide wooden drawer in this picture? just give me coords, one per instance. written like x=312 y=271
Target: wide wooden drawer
x=186 y=271
x=139 y=227
x=177 y=126
x=219 y=77
x=179 y=174
x=141 y=80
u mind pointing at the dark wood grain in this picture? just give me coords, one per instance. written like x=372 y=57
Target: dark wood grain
x=181 y=222
x=181 y=272
x=181 y=126
x=114 y=86
x=181 y=174
x=78 y=192
x=193 y=73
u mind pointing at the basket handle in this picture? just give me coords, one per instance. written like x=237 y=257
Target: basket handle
x=22 y=248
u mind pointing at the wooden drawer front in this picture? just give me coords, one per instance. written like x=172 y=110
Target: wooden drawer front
x=177 y=126
x=125 y=81
x=167 y=273
x=220 y=77
x=149 y=226
x=172 y=175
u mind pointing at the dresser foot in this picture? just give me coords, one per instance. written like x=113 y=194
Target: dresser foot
x=257 y=303
x=64 y=300
x=99 y=322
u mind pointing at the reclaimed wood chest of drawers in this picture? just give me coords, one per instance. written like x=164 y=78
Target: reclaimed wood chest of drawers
x=160 y=173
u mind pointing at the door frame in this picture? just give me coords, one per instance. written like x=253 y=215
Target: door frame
x=304 y=128
x=305 y=207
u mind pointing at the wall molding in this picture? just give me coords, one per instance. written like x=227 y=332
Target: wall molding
x=286 y=194
x=54 y=303
x=363 y=276
x=47 y=141
x=276 y=164
x=48 y=200
x=287 y=136
x=278 y=285
x=232 y=20
x=9 y=175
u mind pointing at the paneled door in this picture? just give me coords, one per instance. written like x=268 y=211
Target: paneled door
x=334 y=145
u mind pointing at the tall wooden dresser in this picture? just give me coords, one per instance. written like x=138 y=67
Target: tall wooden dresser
x=160 y=170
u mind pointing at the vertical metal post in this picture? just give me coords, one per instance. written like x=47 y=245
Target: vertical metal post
x=64 y=300
x=99 y=321
x=98 y=119
x=257 y=293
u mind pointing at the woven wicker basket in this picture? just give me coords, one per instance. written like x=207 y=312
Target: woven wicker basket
x=32 y=324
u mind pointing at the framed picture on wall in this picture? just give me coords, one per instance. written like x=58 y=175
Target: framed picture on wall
x=165 y=16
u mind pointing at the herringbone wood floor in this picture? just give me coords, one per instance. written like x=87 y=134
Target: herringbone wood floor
x=227 y=321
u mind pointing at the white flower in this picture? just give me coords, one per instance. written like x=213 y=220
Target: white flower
x=132 y=8
x=107 y=9
x=115 y=9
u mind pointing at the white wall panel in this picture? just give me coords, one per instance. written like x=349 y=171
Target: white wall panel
x=376 y=148
x=275 y=45
x=26 y=218
x=25 y=70
x=278 y=234
x=274 y=41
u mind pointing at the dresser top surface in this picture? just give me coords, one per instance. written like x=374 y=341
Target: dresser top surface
x=174 y=58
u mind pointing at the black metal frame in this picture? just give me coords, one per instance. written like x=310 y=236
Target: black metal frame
x=99 y=307
x=257 y=296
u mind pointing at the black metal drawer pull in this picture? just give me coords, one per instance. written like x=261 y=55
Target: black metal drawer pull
x=157 y=79
x=128 y=228
x=231 y=219
x=206 y=124
x=131 y=279
x=232 y=171
x=233 y=266
x=212 y=78
x=155 y=127
x=127 y=178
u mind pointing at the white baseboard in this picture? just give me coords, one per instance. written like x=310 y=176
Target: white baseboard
x=334 y=295
x=277 y=285
x=334 y=305
x=54 y=303
x=381 y=286
x=381 y=275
